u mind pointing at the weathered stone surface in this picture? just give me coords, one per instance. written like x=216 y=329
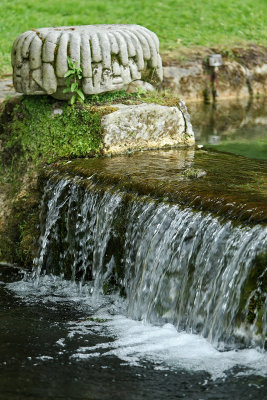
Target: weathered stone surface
x=231 y=78
x=195 y=81
x=145 y=126
x=6 y=89
x=111 y=57
x=258 y=79
x=189 y=81
x=140 y=85
x=243 y=73
x=254 y=59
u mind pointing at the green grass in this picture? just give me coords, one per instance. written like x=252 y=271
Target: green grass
x=178 y=23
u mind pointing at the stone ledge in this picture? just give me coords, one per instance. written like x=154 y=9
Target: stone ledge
x=243 y=73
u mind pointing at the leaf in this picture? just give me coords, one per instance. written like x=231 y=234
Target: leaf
x=72 y=100
x=68 y=73
x=80 y=93
x=73 y=86
x=68 y=80
x=67 y=90
x=70 y=63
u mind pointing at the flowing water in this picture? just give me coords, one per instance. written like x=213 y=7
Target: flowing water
x=173 y=265
x=149 y=282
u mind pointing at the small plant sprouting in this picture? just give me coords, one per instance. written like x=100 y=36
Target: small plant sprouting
x=73 y=75
x=140 y=92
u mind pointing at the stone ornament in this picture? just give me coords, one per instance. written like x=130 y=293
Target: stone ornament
x=110 y=56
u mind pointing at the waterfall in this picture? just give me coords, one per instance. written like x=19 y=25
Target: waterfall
x=202 y=274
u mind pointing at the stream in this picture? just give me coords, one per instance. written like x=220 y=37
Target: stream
x=150 y=278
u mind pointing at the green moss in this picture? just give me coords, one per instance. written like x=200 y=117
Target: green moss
x=32 y=128
x=31 y=131
x=193 y=173
x=97 y=320
x=37 y=134
x=108 y=98
x=257 y=284
x=19 y=235
x=31 y=136
x=121 y=96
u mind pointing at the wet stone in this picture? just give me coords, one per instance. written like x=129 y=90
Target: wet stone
x=189 y=177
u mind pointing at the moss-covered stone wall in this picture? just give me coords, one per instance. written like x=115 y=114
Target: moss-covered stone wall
x=34 y=131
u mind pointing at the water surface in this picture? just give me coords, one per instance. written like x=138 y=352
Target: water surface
x=60 y=343
x=234 y=127
x=229 y=185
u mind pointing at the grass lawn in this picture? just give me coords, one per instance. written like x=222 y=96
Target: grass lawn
x=178 y=23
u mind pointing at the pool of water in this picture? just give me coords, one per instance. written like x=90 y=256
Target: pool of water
x=58 y=341
x=239 y=128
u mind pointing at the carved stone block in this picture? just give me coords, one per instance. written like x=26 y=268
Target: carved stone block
x=110 y=56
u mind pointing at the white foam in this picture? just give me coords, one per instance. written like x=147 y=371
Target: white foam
x=83 y=356
x=44 y=358
x=60 y=342
x=54 y=289
x=136 y=342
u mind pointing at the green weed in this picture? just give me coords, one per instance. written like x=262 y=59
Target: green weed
x=74 y=75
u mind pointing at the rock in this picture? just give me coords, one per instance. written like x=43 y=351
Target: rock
x=110 y=56
x=189 y=81
x=193 y=173
x=140 y=85
x=231 y=80
x=6 y=89
x=188 y=125
x=254 y=59
x=258 y=79
x=194 y=81
x=243 y=73
x=57 y=111
x=145 y=126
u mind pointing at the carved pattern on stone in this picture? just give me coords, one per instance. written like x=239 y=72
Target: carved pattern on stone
x=111 y=57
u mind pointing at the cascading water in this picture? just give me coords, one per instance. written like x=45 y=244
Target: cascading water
x=172 y=264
